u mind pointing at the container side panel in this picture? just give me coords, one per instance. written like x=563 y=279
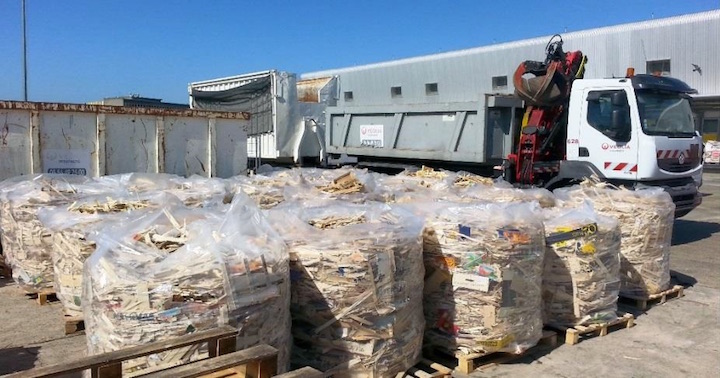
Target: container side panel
x=68 y=141
x=231 y=148
x=186 y=146
x=130 y=144
x=427 y=132
x=14 y=143
x=381 y=124
x=470 y=137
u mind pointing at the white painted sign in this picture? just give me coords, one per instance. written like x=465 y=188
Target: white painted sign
x=471 y=281
x=70 y=162
x=372 y=135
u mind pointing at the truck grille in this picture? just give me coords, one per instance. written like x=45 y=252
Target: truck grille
x=670 y=166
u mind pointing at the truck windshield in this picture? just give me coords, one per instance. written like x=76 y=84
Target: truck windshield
x=666 y=114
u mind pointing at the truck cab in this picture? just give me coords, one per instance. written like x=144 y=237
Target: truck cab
x=635 y=131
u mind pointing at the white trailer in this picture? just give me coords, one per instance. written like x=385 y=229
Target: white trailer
x=288 y=115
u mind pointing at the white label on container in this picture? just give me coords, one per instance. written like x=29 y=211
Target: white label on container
x=372 y=135
x=449 y=118
x=471 y=281
x=71 y=162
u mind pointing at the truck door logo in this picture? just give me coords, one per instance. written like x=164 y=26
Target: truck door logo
x=615 y=147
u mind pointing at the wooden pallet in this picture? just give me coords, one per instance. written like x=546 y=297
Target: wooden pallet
x=306 y=372
x=73 y=324
x=659 y=298
x=43 y=297
x=467 y=363
x=574 y=334
x=426 y=369
x=221 y=344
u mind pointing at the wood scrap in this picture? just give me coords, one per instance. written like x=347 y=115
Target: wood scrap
x=26 y=242
x=646 y=219
x=483 y=276
x=502 y=194
x=70 y=247
x=178 y=271
x=428 y=172
x=356 y=270
x=582 y=263
x=465 y=180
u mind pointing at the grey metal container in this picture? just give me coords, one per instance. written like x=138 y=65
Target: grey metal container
x=96 y=140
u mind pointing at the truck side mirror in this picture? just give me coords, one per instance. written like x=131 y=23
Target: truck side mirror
x=619 y=98
x=619 y=124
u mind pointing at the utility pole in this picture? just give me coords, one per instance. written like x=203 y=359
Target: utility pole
x=25 y=92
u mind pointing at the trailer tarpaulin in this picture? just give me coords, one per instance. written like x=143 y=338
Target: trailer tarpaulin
x=254 y=97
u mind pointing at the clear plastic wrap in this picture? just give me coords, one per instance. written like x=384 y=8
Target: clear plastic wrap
x=356 y=274
x=195 y=191
x=267 y=191
x=179 y=270
x=483 y=276
x=501 y=192
x=646 y=218
x=347 y=184
x=581 y=279
x=463 y=180
x=424 y=184
x=70 y=225
x=26 y=242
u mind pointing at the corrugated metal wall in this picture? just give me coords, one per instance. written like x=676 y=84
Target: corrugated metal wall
x=467 y=75
x=101 y=140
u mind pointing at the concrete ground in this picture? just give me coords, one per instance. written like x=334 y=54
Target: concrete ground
x=678 y=338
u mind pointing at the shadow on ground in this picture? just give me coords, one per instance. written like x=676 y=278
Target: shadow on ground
x=682 y=279
x=688 y=231
x=17 y=359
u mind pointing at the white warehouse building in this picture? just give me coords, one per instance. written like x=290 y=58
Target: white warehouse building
x=455 y=106
x=686 y=47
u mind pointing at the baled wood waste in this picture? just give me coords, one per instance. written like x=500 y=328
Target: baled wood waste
x=483 y=277
x=582 y=264
x=356 y=275
x=646 y=218
x=178 y=270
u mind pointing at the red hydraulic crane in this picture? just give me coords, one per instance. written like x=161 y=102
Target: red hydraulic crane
x=546 y=95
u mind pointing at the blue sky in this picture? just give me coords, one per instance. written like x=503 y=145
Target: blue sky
x=84 y=50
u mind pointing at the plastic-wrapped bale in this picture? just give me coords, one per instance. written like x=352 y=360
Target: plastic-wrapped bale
x=6 y=221
x=356 y=274
x=424 y=184
x=179 y=270
x=646 y=218
x=195 y=191
x=266 y=190
x=71 y=247
x=347 y=184
x=258 y=273
x=502 y=192
x=26 y=242
x=483 y=277
x=582 y=264
x=464 y=180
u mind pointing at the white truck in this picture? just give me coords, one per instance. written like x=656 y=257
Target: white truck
x=557 y=129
